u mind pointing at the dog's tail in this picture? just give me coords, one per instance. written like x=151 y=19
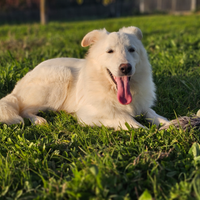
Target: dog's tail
x=9 y=110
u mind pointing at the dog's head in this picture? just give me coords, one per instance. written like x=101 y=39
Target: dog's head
x=118 y=54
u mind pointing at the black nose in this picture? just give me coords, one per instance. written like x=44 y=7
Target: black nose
x=125 y=68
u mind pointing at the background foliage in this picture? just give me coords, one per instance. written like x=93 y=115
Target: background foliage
x=62 y=160
x=52 y=4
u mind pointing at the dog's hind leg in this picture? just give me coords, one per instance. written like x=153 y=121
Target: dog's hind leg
x=31 y=112
x=9 y=110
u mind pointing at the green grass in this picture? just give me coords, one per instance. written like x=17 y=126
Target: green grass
x=63 y=160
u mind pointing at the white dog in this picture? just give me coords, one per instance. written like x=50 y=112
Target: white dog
x=110 y=86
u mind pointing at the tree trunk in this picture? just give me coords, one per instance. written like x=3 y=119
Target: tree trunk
x=142 y=6
x=174 y=6
x=159 y=5
x=193 y=5
x=43 y=17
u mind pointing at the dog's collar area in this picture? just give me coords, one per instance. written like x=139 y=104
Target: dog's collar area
x=112 y=77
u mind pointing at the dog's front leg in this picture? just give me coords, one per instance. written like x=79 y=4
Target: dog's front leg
x=115 y=121
x=120 y=122
x=154 y=118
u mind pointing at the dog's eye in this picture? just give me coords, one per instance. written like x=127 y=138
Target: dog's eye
x=110 y=51
x=131 y=50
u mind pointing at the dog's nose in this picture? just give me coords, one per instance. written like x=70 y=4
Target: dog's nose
x=125 y=68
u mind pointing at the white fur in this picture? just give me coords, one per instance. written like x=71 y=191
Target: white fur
x=84 y=87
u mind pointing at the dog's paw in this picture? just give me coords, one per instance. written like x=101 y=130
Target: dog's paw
x=164 y=122
x=127 y=126
x=39 y=121
x=165 y=126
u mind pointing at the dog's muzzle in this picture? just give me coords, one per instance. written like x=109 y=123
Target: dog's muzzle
x=123 y=84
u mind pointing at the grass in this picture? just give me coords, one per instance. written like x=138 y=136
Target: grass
x=63 y=160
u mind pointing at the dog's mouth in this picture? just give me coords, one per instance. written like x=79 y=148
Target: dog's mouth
x=111 y=76
x=123 y=88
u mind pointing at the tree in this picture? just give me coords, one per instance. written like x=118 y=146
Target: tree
x=43 y=16
x=193 y=5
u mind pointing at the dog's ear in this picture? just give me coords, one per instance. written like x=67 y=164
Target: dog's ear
x=132 y=30
x=92 y=37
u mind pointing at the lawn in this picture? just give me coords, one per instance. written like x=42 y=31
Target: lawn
x=63 y=160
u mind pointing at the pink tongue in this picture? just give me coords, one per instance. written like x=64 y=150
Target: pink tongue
x=123 y=90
